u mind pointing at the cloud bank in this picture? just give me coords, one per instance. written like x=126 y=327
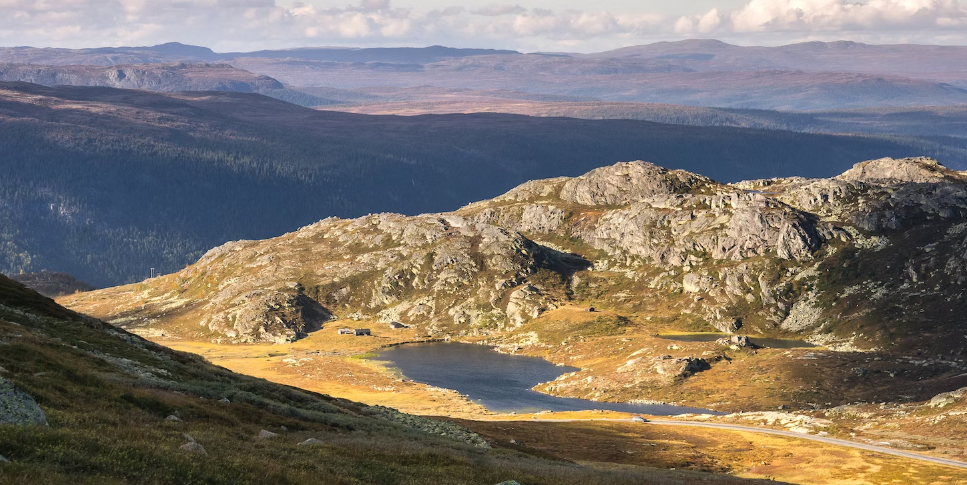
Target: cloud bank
x=257 y=24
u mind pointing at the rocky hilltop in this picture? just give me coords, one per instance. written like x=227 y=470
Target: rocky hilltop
x=862 y=260
x=165 y=77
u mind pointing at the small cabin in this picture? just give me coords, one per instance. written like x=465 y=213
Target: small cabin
x=345 y=331
x=397 y=325
x=359 y=332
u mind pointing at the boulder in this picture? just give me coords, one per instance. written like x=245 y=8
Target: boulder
x=193 y=447
x=265 y=434
x=947 y=398
x=740 y=341
x=3 y=460
x=310 y=442
x=18 y=408
x=695 y=283
x=173 y=418
x=681 y=367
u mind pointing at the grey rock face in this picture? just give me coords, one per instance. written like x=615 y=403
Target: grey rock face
x=628 y=182
x=526 y=303
x=18 y=408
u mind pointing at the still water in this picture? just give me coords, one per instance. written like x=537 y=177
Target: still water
x=500 y=382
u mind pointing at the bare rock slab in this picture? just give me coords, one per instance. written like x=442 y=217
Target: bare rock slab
x=18 y=408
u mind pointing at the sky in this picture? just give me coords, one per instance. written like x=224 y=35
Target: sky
x=528 y=25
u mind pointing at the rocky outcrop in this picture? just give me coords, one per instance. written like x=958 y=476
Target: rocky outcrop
x=628 y=182
x=947 y=398
x=526 y=303
x=170 y=77
x=889 y=171
x=663 y=369
x=439 y=428
x=18 y=408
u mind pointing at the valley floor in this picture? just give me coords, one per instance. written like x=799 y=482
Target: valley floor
x=337 y=365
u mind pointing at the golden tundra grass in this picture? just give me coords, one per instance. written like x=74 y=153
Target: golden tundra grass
x=107 y=396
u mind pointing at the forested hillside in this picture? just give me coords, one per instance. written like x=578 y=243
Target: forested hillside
x=105 y=183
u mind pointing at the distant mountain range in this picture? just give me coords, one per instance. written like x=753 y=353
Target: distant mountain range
x=107 y=183
x=808 y=76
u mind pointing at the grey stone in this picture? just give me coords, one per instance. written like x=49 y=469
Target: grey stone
x=638 y=419
x=310 y=442
x=947 y=398
x=193 y=447
x=225 y=400
x=3 y=460
x=18 y=408
x=265 y=434
x=173 y=418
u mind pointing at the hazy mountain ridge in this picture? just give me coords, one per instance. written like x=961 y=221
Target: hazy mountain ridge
x=809 y=76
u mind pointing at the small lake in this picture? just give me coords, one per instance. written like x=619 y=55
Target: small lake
x=502 y=383
x=772 y=343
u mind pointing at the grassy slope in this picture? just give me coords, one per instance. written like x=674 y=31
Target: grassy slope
x=106 y=394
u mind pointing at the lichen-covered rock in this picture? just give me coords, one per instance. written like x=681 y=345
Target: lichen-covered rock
x=628 y=182
x=18 y=408
x=194 y=448
x=663 y=369
x=947 y=398
x=894 y=171
x=527 y=302
x=439 y=428
x=696 y=283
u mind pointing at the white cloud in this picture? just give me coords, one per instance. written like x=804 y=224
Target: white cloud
x=842 y=16
x=258 y=24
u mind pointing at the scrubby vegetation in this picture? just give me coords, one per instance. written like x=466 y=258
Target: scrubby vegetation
x=121 y=408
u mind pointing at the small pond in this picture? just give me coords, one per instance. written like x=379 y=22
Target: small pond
x=502 y=383
x=772 y=343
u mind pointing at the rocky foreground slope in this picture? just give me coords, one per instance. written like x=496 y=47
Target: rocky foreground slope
x=85 y=402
